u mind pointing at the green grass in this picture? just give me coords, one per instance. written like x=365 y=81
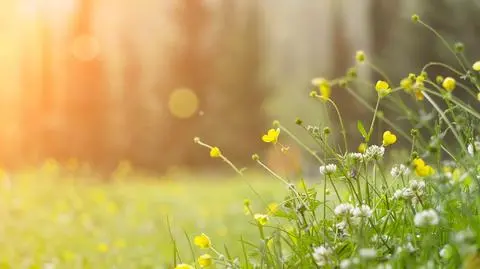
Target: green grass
x=76 y=223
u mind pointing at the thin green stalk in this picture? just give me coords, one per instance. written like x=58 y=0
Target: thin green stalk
x=457 y=136
x=335 y=189
x=442 y=65
x=447 y=45
x=309 y=150
x=390 y=123
x=344 y=132
x=370 y=130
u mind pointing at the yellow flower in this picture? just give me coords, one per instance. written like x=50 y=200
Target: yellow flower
x=360 y=56
x=419 y=95
x=120 y=243
x=406 y=84
x=184 y=266
x=449 y=84
x=323 y=86
x=202 y=241
x=271 y=136
x=215 y=152
x=205 y=260
x=262 y=219
x=478 y=96
x=102 y=247
x=382 y=88
x=476 y=66
x=272 y=208
x=422 y=169
x=389 y=138
x=362 y=147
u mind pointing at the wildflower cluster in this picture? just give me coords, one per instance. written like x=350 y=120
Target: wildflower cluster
x=353 y=214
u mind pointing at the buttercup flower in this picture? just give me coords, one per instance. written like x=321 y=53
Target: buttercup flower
x=271 y=136
x=449 y=84
x=406 y=84
x=215 y=152
x=262 y=219
x=323 y=86
x=422 y=169
x=389 y=138
x=202 y=241
x=382 y=88
x=205 y=260
x=417 y=89
x=476 y=66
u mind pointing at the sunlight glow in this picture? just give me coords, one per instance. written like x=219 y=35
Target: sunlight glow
x=183 y=103
x=31 y=9
x=85 y=48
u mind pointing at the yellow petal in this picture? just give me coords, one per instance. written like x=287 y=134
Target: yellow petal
x=389 y=138
x=449 y=84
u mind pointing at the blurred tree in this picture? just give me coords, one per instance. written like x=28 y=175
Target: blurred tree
x=235 y=118
x=85 y=115
x=190 y=67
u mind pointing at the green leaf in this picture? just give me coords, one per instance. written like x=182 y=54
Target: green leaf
x=361 y=129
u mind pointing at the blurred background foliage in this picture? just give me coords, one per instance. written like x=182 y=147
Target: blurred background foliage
x=103 y=81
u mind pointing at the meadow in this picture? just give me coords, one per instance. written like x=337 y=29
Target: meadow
x=367 y=206
x=53 y=217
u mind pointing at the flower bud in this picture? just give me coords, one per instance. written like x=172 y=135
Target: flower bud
x=415 y=18
x=459 y=47
x=360 y=56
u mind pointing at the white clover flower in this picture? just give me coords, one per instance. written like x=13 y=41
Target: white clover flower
x=345 y=264
x=417 y=186
x=364 y=211
x=418 y=189
x=328 y=169
x=343 y=210
x=425 y=218
x=470 y=149
x=321 y=255
x=409 y=247
x=374 y=152
x=465 y=236
x=367 y=253
x=356 y=156
x=341 y=225
x=446 y=252
x=404 y=194
x=400 y=170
